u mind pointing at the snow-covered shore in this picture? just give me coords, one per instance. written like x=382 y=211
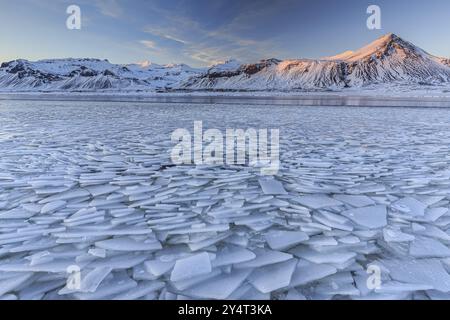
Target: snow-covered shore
x=424 y=98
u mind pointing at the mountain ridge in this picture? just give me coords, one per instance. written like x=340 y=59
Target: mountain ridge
x=387 y=60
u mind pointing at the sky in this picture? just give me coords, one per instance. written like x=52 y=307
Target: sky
x=204 y=32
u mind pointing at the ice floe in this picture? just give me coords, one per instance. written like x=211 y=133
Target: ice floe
x=99 y=194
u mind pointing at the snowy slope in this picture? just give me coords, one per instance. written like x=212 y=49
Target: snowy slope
x=89 y=75
x=388 y=59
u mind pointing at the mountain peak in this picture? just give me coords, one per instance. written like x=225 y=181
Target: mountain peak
x=390 y=38
x=386 y=44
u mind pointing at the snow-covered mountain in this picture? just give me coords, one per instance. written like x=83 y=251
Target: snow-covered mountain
x=389 y=59
x=90 y=75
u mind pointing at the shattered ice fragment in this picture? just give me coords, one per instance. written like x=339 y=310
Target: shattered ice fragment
x=410 y=206
x=424 y=271
x=53 y=206
x=97 y=252
x=396 y=287
x=191 y=282
x=276 y=276
x=282 y=240
x=294 y=295
x=220 y=287
x=423 y=247
x=370 y=217
x=355 y=200
x=317 y=201
x=93 y=279
x=158 y=267
x=128 y=244
x=433 y=214
x=393 y=235
x=265 y=257
x=232 y=255
x=108 y=289
x=102 y=189
x=195 y=265
x=307 y=272
x=327 y=257
x=8 y=285
x=143 y=289
x=272 y=187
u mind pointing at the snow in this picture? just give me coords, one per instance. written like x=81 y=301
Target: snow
x=388 y=59
x=226 y=66
x=367 y=52
x=388 y=63
x=67 y=75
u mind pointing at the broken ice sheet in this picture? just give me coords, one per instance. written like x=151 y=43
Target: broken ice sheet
x=232 y=255
x=272 y=187
x=355 y=200
x=428 y=272
x=220 y=287
x=338 y=257
x=115 y=186
x=393 y=235
x=192 y=266
x=307 y=272
x=265 y=257
x=317 y=201
x=282 y=240
x=128 y=244
x=158 y=267
x=424 y=247
x=370 y=217
x=337 y=284
x=280 y=276
x=410 y=206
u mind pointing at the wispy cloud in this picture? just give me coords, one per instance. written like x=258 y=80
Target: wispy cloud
x=205 y=45
x=148 y=44
x=164 y=33
x=109 y=8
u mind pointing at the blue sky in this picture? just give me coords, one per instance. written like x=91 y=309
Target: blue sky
x=202 y=32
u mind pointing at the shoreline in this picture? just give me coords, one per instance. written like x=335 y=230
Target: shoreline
x=343 y=99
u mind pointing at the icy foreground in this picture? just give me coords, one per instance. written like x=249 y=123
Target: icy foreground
x=91 y=185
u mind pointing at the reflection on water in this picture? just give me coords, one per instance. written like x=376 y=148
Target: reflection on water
x=297 y=100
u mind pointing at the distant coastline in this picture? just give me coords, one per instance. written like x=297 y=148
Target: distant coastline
x=344 y=99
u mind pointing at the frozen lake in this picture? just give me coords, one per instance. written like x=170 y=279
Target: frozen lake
x=358 y=210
